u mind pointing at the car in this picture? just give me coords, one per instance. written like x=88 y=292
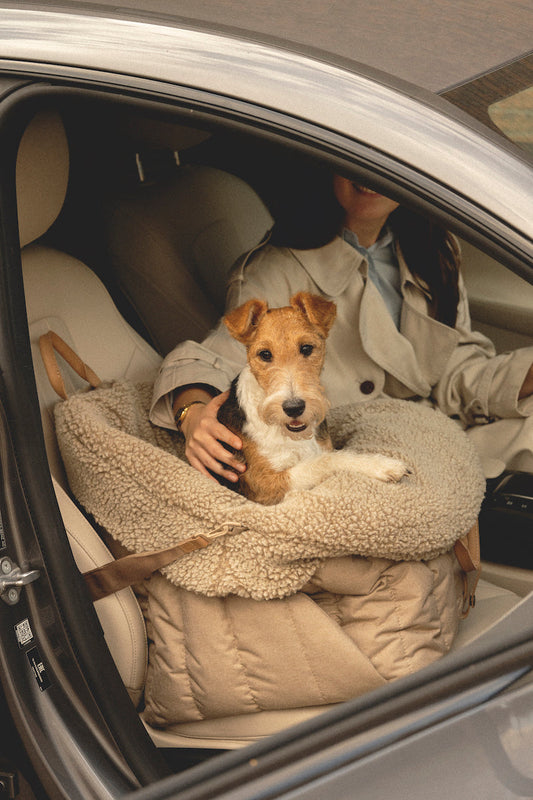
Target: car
x=128 y=130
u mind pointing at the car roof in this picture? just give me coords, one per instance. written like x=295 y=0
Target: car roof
x=435 y=45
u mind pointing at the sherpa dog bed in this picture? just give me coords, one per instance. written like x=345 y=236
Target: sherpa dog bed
x=330 y=593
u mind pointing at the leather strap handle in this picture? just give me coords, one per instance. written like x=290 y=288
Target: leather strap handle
x=49 y=344
x=136 y=567
x=468 y=553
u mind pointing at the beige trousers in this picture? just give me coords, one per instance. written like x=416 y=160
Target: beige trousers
x=504 y=444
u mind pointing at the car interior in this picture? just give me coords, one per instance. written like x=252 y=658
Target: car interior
x=122 y=216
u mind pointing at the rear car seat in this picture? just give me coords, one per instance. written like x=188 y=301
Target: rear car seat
x=64 y=295
x=172 y=245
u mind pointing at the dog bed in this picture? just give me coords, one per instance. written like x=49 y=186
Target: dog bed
x=330 y=593
x=132 y=477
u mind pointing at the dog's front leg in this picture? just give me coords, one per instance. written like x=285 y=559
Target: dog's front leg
x=309 y=473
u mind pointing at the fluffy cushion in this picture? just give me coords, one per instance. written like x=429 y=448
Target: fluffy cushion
x=132 y=477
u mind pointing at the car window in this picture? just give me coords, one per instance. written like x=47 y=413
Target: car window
x=502 y=100
x=514 y=117
x=125 y=176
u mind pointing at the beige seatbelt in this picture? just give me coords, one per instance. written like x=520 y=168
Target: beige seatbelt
x=136 y=567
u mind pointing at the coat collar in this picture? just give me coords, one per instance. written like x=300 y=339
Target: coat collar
x=417 y=354
x=347 y=261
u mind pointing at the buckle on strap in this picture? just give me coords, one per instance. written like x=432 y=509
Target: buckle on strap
x=227 y=528
x=205 y=539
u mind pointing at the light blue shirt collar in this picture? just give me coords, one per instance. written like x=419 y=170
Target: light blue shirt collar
x=383 y=269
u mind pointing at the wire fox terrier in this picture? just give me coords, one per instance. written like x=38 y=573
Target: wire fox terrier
x=277 y=405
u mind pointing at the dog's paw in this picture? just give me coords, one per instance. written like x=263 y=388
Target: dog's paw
x=383 y=468
x=388 y=469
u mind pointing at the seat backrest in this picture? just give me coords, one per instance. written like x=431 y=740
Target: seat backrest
x=173 y=245
x=64 y=295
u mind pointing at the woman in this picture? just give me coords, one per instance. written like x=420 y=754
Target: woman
x=402 y=328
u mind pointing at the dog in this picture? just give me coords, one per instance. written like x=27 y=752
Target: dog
x=278 y=407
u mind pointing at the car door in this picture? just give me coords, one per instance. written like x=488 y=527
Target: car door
x=76 y=723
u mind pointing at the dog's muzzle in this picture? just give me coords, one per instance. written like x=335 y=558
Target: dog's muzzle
x=294 y=409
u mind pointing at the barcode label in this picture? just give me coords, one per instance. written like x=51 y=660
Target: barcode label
x=24 y=633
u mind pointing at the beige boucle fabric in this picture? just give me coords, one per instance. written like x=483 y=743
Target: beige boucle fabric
x=131 y=476
x=331 y=593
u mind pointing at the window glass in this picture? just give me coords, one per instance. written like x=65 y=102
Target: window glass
x=502 y=100
x=514 y=117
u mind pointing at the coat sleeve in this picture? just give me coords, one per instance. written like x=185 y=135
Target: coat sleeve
x=219 y=358
x=478 y=385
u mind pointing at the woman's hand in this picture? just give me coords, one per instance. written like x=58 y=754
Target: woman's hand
x=203 y=436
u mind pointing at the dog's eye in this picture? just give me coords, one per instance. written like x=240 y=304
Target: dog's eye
x=306 y=349
x=265 y=355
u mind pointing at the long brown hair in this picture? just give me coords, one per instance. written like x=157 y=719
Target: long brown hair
x=308 y=216
x=432 y=254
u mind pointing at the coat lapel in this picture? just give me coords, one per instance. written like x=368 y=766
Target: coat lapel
x=417 y=354
x=385 y=345
x=332 y=267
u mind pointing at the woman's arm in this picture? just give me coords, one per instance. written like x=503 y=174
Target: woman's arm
x=479 y=384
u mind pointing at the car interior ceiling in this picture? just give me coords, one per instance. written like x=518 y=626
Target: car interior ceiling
x=124 y=166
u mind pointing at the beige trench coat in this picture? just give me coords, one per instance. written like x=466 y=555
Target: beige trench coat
x=367 y=357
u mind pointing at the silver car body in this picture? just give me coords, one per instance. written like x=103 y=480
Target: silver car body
x=413 y=128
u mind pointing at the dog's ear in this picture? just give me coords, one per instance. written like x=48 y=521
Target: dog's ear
x=242 y=321
x=319 y=311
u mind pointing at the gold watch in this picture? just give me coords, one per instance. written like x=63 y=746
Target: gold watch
x=181 y=413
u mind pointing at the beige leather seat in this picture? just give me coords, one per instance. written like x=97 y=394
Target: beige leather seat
x=173 y=244
x=62 y=294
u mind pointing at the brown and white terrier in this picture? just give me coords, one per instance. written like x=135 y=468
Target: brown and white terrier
x=277 y=405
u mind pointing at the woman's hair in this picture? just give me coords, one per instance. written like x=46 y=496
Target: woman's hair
x=308 y=216
x=432 y=254
x=302 y=202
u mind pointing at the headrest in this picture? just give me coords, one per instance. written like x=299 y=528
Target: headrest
x=151 y=133
x=41 y=175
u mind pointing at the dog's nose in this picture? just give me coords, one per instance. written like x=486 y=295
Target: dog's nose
x=294 y=408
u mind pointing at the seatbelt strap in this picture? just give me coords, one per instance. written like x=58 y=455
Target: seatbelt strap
x=136 y=567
